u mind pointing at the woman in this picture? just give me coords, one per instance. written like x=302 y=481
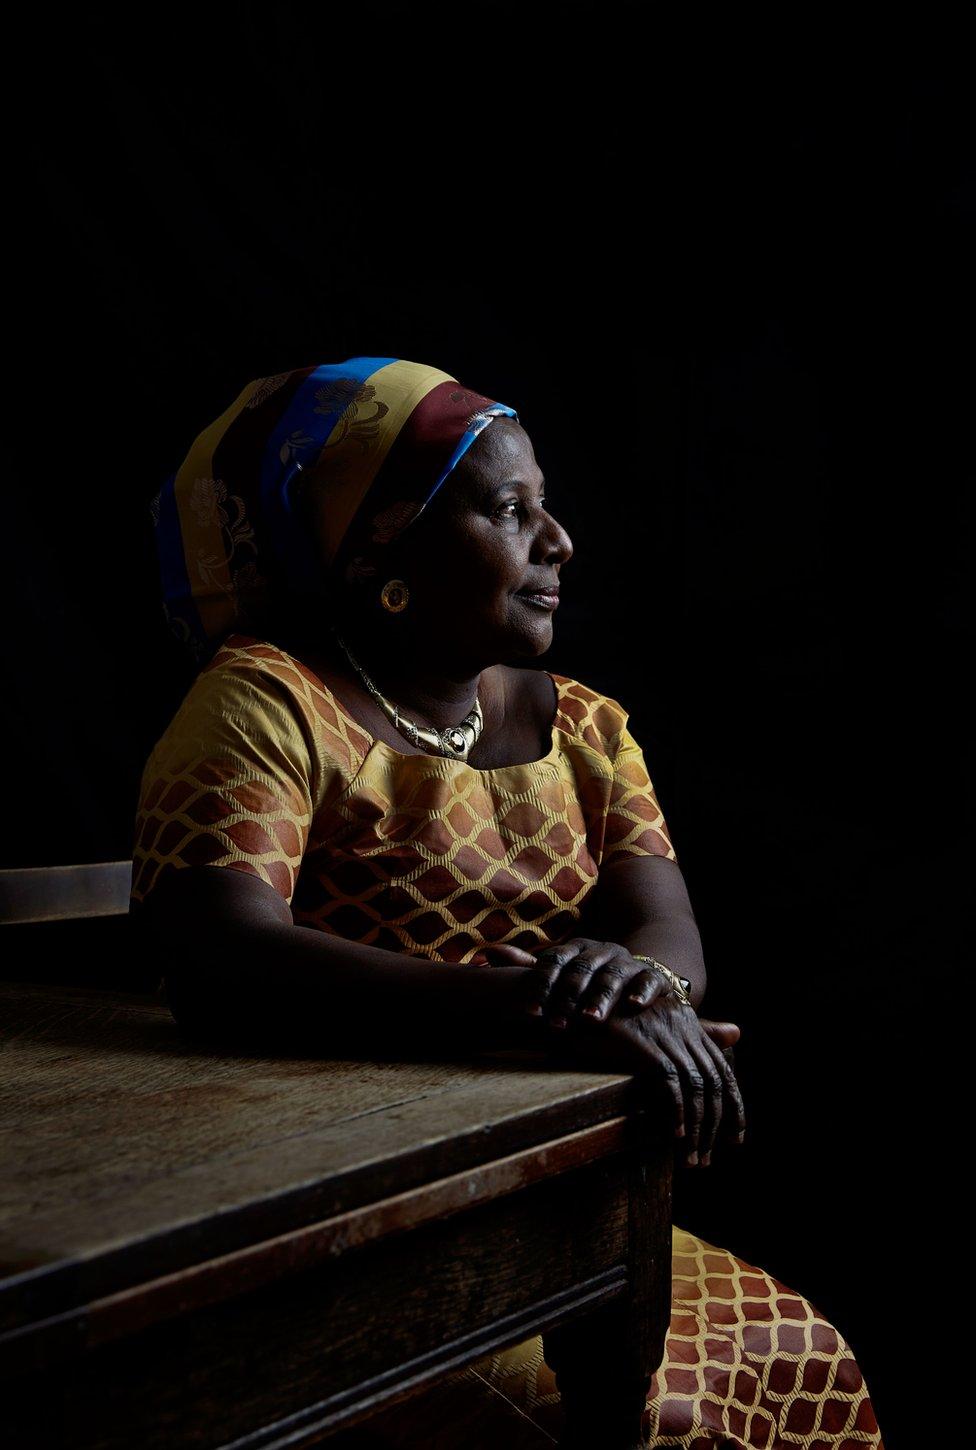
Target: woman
x=356 y=789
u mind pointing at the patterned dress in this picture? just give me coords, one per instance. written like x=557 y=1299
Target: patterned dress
x=263 y=770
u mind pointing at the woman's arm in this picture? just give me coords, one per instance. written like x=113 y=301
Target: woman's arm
x=642 y=903
x=234 y=960
x=236 y=964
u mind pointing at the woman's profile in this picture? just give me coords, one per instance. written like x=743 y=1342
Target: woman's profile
x=360 y=790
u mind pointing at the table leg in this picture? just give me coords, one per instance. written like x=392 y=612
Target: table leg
x=602 y=1385
x=604 y=1360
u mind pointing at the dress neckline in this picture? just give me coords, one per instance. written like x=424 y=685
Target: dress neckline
x=492 y=770
x=381 y=746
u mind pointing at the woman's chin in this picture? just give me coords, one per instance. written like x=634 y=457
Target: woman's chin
x=531 y=642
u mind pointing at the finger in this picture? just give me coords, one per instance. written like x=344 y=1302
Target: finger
x=664 y=1076
x=692 y=1087
x=734 y=1118
x=606 y=987
x=614 y=988
x=502 y=953
x=574 y=980
x=647 y=985
x=545 y=972
x=726 y=1034
x=714 y=1093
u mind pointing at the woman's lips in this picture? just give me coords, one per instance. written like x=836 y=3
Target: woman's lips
x=541 y=598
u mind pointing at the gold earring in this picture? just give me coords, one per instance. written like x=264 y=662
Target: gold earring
x=394 y=595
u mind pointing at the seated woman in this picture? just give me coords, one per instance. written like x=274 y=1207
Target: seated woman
x=356 y=797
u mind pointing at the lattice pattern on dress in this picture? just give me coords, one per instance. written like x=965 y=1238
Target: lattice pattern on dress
x=263 y=770
x=747 y=1363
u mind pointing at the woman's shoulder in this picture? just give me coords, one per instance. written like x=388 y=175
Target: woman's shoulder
x=248 y=656
x=250 y=673
x=589 y=715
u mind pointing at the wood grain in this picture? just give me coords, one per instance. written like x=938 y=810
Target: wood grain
x=268 y=1249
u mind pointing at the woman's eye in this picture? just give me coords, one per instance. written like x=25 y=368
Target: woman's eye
x=516 y=503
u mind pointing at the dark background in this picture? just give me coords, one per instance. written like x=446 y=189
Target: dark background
x=729 y=291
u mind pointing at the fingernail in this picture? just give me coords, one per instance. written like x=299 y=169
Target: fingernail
x=680 y=1132
x=692 y=1156
x=706 y=1159
x=741 y=1136
x=535 y=1008
x=559 y=1022
x=593 y=1011
x=635 y=996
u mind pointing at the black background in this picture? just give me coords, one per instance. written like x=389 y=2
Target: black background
x=725 y=280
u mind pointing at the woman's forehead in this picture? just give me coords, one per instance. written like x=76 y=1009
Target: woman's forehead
x=501 y=453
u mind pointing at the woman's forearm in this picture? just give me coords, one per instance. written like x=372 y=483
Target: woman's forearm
x=308 y=982
x=642 y=903
x=674 y=940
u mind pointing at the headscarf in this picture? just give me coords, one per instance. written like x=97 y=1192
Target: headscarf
x=308 y=473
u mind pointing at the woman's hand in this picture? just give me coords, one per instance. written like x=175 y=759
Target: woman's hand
x=669 y=1044
x=623 y=1013
x=595 y=977
x=656 y=1034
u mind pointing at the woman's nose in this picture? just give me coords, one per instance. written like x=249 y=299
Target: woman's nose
x=553 y=542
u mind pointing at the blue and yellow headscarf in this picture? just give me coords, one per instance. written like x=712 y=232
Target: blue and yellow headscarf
x=301 y=470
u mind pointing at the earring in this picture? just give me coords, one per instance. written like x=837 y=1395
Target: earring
x=394 y=595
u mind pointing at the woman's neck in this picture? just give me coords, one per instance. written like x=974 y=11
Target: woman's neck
x=437 y=692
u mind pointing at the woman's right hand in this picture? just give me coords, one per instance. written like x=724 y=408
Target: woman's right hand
x=689 y=1056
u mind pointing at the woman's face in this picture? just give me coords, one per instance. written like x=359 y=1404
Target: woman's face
x=483 y=546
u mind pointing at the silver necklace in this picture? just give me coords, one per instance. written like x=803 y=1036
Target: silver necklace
x=455 y=742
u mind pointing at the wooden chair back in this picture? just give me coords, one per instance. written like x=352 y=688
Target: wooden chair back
x=70 y=925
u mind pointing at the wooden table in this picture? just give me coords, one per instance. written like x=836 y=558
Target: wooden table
x=212 y=1249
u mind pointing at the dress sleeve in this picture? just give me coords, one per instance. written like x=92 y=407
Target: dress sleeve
x=635 y=823
x=230 y=783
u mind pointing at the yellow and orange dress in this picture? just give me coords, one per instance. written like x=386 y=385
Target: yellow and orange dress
x=263 y=770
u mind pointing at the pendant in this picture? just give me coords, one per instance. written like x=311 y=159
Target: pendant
x=454 y=742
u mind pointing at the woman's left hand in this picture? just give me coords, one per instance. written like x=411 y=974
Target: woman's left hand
x=593 y=977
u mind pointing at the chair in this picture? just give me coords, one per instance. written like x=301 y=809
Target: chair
x=70 y=924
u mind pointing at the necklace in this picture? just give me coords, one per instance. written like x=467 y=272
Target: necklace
x=455 y=742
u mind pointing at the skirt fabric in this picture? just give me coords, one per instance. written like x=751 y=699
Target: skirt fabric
x=748 y=1363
